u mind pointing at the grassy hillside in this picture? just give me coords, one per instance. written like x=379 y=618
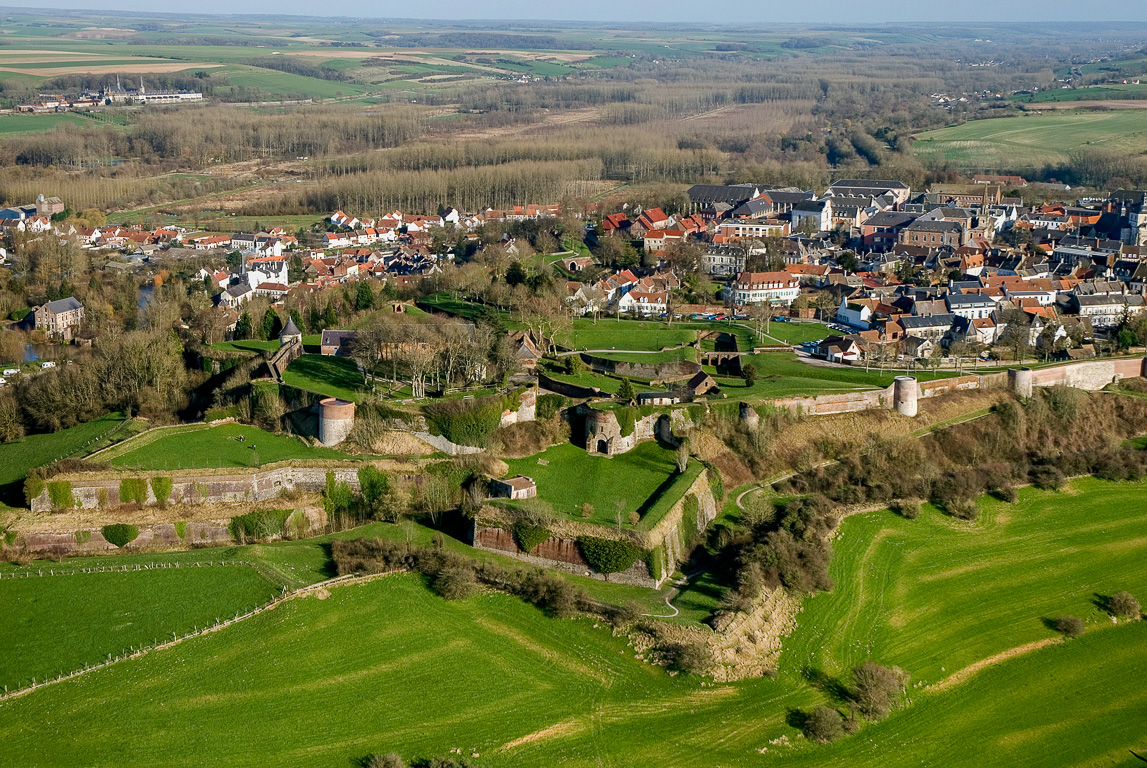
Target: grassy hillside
x=1031 y=140
x=116 y=611
x=387 y=665
x=933 y=595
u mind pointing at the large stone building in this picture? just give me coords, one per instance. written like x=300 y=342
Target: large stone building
x=772 y=288
x=60 y=318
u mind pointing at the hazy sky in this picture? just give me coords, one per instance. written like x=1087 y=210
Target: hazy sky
x=760 y=11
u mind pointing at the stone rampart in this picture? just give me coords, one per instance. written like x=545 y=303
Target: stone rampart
x=93 y=490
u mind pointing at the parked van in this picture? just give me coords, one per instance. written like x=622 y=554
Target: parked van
x=11 y=371
x=47 y=364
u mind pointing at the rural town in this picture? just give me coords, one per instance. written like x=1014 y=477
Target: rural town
x=463 y=394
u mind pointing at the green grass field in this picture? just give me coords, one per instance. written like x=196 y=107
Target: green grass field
x=931 y=592
x=1031 y=140
x=327 y=375
x=388 y=666
x=20 y=456
x=611 y=334
x=1090 y=93
x=571 y=477
x=20 y=124
x=796 y=333
x=219 y=447
x=115 y=610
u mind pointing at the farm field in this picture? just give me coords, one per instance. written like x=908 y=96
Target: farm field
x=327 y=375
x=115 y=610
x=1090 y=93
x=1031 y=140
x=632 y=477
x=220 y=447
x=21 y=124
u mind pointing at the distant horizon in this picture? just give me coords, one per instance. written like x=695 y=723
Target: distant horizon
x=829 y=13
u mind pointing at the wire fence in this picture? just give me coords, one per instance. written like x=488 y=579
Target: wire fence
x=133 y=652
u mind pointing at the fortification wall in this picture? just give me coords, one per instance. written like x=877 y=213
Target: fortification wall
x=1090 y=375
x=102 y=489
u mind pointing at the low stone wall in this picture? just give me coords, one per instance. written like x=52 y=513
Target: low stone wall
x=92 y=490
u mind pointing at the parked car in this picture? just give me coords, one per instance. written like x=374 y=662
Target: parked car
x=47 y=364
x=11 y=371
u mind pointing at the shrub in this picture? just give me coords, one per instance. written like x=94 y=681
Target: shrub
x=1068 y=626
x=691 y=658
x=161 y=487
x=60 y=493
x=19 y=314
x=375 y=484
x=181 y=529
x=962 y=509
x=1123 y=603
x=909 y=509
x=258 y=525
x=587 y=510
x=133 y=489
x=33 y=487
x=1048 y=477
x=529 y=535
x=466 y=422
x=83 y=537
x=550 y=405
x=102 y=498
x=634 y=518
x=877 y=689
x=608 y=556
x=1006 y=493
x=389 y=760
x=120 y=534
x=824 y=725
x=455 y=580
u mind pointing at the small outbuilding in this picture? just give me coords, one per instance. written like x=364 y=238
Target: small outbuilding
x=519 y=487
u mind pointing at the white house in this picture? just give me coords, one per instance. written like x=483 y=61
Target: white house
x=643 y=303
x=772 y=288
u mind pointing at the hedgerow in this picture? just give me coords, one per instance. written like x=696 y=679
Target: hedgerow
x=120 y=534
x=608 y=555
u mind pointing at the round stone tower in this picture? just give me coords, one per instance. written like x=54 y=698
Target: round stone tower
x=1021 y=381
x=905 y=394
x=336 y=420
x=290 y=333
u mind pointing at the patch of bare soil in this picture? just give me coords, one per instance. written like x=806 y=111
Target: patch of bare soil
x=999 y=658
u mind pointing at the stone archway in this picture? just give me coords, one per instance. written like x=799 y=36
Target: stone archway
x=603 y=447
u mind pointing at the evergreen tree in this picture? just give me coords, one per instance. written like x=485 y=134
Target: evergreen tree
x=515 y=275
x=272 y=325
x=330 y=319
x=364 y=297
x=243 y=326
x=625 y=391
